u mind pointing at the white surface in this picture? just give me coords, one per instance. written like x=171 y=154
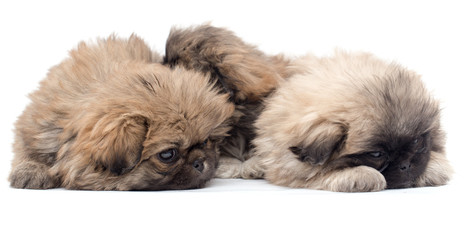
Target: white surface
x=425 y=36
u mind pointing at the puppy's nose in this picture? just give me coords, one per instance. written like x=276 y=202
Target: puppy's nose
x=405 y=166
x=198 y=165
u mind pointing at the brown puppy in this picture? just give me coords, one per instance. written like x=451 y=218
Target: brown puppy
x=109 y=118
x=236 y=68
x=351 y=123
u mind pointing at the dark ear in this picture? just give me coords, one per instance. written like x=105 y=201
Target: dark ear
x=116 y=143
x=322 y=146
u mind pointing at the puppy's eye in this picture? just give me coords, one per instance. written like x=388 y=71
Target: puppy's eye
x=419 y=144
x=168 y=156
x=204 y=143
x=375 y=154
x=421 y=149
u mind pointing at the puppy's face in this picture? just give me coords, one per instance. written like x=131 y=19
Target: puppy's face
x=399 y=147
x=403 y=128
x=181 y=152
x=175 y=159
x=165 y=135
x=386 y=120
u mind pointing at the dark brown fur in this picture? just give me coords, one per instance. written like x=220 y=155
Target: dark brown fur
x=109 y=118
x=236 y=68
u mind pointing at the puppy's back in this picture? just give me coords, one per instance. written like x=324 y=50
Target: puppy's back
x=64 y=97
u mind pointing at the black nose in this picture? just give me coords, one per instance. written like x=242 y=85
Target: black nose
x=198 y=165
x=405 y=166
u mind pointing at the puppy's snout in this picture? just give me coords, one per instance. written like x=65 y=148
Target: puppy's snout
x=199 y=165
x=405 y=166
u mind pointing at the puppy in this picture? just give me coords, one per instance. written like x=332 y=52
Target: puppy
x=236 y=68
x=351 y=123
x=110 y=118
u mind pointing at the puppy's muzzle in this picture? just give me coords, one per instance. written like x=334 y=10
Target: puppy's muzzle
x=199 y=164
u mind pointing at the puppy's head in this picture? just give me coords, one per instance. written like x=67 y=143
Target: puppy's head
x=236 y=68
x=399 y=132
x=158 y=129
x=363 y=111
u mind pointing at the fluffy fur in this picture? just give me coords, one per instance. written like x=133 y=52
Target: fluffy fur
x=236 y=68
x=110 y=118
x=351 y=123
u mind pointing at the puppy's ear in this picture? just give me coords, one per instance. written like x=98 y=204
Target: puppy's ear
x=324 y=141
x=116 y=143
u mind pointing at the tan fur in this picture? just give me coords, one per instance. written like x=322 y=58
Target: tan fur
x=337 y=107
x=101 y=118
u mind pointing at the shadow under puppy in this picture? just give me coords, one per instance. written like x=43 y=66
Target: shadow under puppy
x=236 y=68
x=111 y=118
x=351 y=123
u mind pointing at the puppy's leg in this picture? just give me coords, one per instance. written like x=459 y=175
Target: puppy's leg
x=252 y=169
x=356 y=179
x=233 y=168
x=32 y=175
x=228 y=168
x=438 y=171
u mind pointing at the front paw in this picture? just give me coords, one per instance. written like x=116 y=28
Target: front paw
x=32 y=176
x=228 y=168
x=252 y=169
x=357 y=179
x=437 y=173
x=234 y=168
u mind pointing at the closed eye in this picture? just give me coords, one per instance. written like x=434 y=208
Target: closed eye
x=419 y=144
x=375 y=159
x=421 y=150
x=376 y=154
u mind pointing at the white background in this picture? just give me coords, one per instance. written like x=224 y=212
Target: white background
x=426 y=36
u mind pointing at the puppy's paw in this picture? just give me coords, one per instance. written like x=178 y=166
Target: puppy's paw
x=234 y=168
x=438 y=171
x=228 y=168
x=32 y=176
x=357 y=179
x=252 y=169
